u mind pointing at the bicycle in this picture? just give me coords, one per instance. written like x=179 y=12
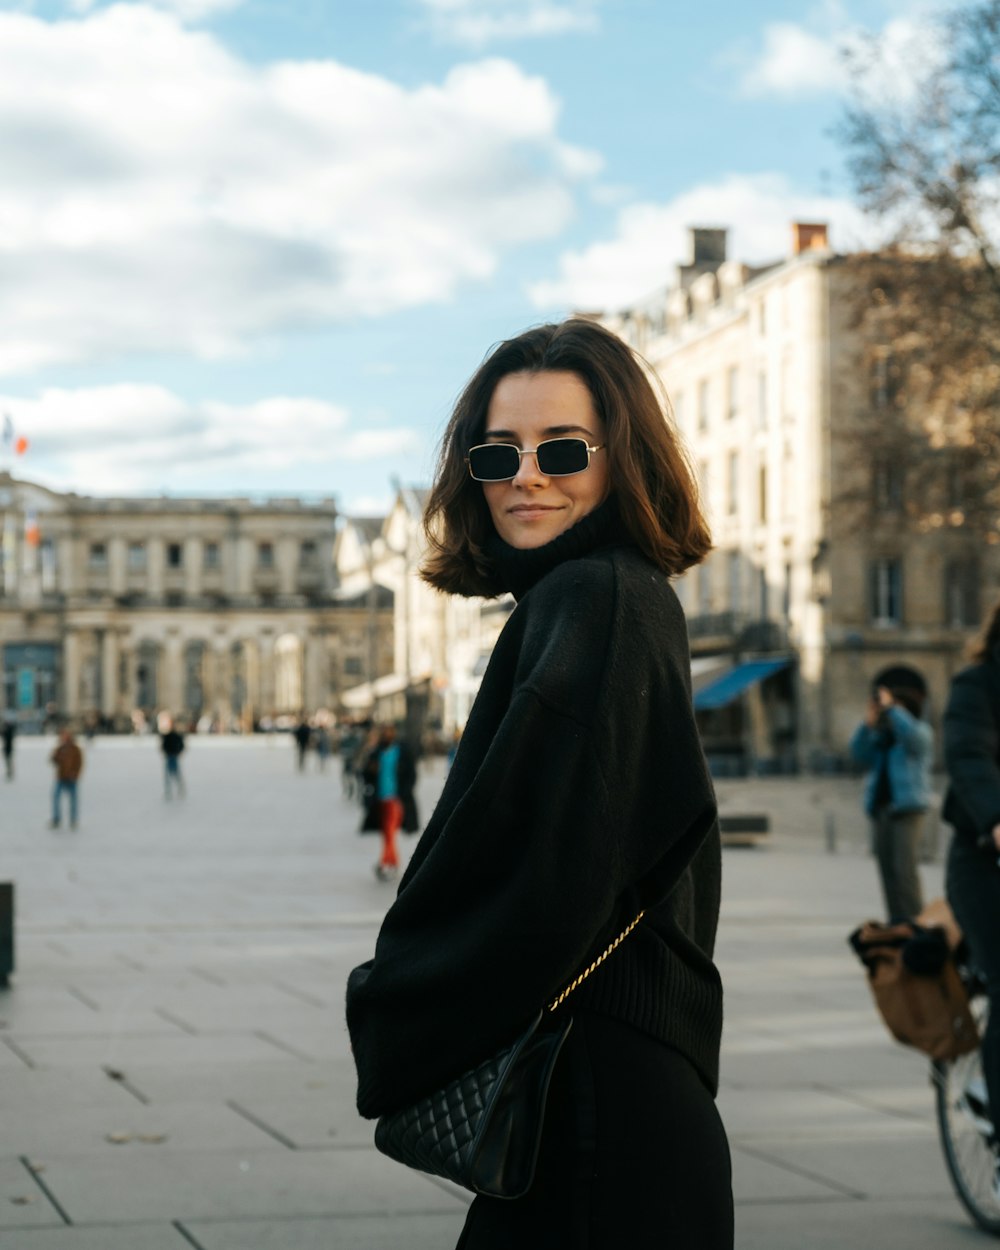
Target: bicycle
x=965 y=1127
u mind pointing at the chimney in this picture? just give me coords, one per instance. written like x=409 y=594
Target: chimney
x=809 y=236
x=708 y=247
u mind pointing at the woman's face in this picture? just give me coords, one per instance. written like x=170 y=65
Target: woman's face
x=527 y=408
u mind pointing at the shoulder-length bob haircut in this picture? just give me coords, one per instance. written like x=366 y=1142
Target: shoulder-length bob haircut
x=650 y=474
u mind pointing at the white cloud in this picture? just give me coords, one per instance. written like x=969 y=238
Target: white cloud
x=477 y=23
x=160 y=194
x=808 y=59
x=794 y=61
x=139 y=437
x=651 y=239
x=185 y=10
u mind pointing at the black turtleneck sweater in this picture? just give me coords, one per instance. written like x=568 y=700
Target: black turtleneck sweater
x=578 y=795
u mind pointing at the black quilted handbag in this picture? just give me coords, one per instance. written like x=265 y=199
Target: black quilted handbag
x=483 y=1129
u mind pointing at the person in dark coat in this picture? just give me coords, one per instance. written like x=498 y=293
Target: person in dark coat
x=7 y=732
x=972 y=807
x=303 y=736
x=579 y=795
x=172 y=746
x=390 y=773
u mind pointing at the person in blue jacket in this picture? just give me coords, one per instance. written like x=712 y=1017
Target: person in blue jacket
x=896 y=745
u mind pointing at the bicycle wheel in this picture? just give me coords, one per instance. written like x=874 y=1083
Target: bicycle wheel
x=967 y=1144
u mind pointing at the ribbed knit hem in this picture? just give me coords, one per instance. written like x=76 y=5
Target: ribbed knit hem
x=650 y=987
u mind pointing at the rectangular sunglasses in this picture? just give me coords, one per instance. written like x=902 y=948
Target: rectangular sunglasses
x=555 y=457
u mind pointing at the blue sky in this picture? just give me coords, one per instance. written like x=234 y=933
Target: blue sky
x=254 y=246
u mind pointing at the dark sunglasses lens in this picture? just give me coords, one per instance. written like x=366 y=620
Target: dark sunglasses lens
x=561 y=456
x=494 y=463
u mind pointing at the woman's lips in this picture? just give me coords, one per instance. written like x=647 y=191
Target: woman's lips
x=526 y=513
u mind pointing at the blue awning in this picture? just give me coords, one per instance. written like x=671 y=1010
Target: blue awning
x=732 y=684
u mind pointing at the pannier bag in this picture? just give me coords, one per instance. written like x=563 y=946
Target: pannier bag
x=916 y=987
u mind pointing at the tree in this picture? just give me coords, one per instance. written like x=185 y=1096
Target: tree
x=922 y=134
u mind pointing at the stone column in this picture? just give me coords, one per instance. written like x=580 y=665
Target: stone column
x=193 y=560
x=69 y=700
x=172 y=688
x=314 y=684
x=109 y=674
x=156 y=560
x=265 y=652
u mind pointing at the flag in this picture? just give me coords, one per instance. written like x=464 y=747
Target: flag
x=32 y=535
x=11 y=438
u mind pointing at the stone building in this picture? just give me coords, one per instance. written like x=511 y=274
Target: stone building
x=223 y=611
x=799 y=608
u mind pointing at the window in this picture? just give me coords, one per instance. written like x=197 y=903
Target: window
x=883 y=383
x=175 y=556
x=97 y=557
x=886 y=592
x=887 y=485
x=733 y=483
x=308 y=552
x=265 y=555
x=762 y=399
x=961 y=593
x=174 y=599
x=763 y=597
x=136 y=557
x=786 y=594
x=210 y=556
x=703 y=404
x=352 y=666
x=732 y=391
x=762 y=494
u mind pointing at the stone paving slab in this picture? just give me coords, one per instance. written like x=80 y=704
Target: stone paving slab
x=874 y=1224
x=149 y=1185
x=105 y=1237
x=414 y=1231
x=22 y=1203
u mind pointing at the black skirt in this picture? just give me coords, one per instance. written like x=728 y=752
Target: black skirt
x=633 y=1154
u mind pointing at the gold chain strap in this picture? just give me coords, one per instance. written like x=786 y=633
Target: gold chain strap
x=596 y=964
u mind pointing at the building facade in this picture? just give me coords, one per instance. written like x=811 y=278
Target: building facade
x=225 y=612
x=800 y=607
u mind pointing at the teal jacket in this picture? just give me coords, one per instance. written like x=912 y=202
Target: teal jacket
x=909 y=760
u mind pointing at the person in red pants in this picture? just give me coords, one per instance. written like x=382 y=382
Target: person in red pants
x=391 y=775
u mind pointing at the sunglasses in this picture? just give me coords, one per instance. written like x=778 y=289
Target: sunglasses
x=555 y=457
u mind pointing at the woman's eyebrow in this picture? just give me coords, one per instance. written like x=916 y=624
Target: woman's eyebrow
x=551 y=431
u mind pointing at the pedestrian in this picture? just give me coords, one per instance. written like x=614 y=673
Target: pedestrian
x=172 y=746
x=68 y=761
x=321 y=738
x=351 y=740
x=972 y=807
x=579 y=796
x=302 y=735
x=391 y=774
x=8 y=732
x=896 y=746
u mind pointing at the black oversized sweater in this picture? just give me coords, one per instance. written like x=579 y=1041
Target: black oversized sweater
x=579 y=794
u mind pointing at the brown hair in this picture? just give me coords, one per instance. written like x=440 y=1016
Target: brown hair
x=650 y=474
x=986 y=643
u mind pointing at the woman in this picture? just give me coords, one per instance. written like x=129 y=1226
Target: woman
x=578 y=796
x=972 y=806
x=896 y=745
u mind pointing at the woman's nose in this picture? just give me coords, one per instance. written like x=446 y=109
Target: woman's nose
x=528 y=472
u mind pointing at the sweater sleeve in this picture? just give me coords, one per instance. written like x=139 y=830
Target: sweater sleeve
x=524 y=867
x=862 y=745
x=914 y=735
x=970 y=750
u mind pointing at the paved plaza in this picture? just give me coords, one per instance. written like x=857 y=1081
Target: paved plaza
x=174 y=1066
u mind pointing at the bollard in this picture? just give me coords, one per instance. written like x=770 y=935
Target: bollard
x=6 y=931
x=830 y=829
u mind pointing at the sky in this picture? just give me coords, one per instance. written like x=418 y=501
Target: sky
x=257 y=247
